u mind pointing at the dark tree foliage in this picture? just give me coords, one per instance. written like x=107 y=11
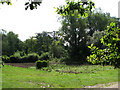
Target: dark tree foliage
x=32 y=4
x=95 y=39
x=73 y=28
x=97 y=22
x=10 y=43
x=74 y=33
x=30 y=45
x=44 y=42
x=8 y=2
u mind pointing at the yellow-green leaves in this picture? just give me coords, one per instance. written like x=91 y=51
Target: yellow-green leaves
x=90 y=46
x=8 y=2
x=71 y=7
x=111 y=53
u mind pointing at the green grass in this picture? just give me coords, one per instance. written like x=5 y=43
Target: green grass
x=16 y=77
x=0 y=78
x=78 y=69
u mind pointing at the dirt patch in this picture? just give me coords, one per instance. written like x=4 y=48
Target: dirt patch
x=68 y=72
x=108 y=85
x=24 y=65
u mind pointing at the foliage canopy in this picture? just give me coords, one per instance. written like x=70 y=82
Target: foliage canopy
x=82 y=7
x=111 y=53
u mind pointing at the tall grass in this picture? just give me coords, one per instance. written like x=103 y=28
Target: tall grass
x=78 y=69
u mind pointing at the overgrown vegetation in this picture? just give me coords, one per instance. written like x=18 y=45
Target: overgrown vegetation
x=110 y=54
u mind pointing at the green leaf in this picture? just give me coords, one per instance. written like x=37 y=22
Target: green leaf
x=79 y=15
x=10 y=3
x=91 y=45
x=86 y=14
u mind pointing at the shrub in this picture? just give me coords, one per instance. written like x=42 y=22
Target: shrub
x=22 y=53
x=44 y=56
x=45 y=63
x=33 y=57
x=59 y=60
x=24 y=59
x=17 y=54
x=40 y=64
x=5 y=59
x=30 y=58
x=15 y=59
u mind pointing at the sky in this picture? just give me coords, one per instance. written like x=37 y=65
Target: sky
x=26 y=23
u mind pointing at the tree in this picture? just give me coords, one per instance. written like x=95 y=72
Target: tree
x=8 y=2
x=5 y=47
x=95 y=38
x=71 y=7
x=32 y=4
x=73 y=26
x=111 y=53
x=10 y=43
x=13 y=42
x=57 y=48
x=44 y=42
x=30 y=45
x=74 y=33
x=97 y=21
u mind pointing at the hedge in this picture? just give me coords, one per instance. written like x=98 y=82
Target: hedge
x=30 y=58
x=40 y=64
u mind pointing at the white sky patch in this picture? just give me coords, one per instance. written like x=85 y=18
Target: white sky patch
x=110 y=6
x=27 y=23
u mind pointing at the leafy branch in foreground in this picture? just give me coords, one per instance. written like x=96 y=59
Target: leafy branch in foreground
x=111 y=53
x=8 y=2
x=71 y=7
x=32 y=4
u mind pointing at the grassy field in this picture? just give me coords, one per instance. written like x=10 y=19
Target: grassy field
x=65 y=77
x=0 y=78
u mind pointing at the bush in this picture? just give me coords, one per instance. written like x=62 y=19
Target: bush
x=59 y=60
x=45 y=63
x=40 y=64
x=22 y=53
x=44 y=56
x=33 y=57
x=5 y=59
x=17 y=54
x=15 y=59
x=30 y=58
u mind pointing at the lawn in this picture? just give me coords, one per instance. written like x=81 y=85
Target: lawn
x=57 y=76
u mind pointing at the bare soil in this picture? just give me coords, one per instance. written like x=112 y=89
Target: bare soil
x=24 y=65
x=108 y=85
